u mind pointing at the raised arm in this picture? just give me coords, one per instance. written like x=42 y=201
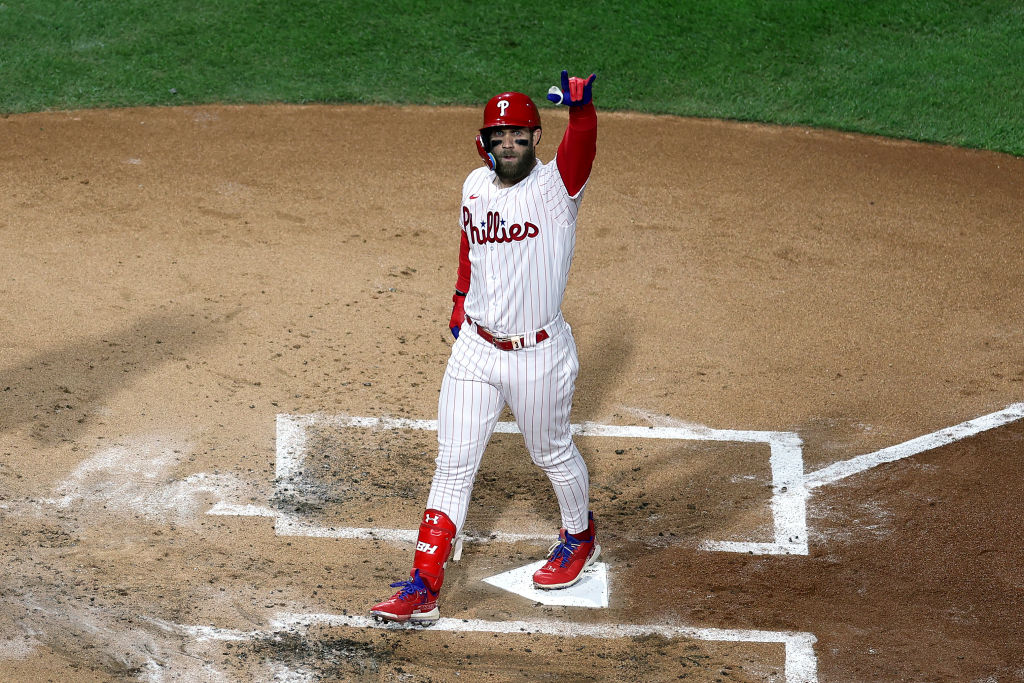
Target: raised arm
x=578 y=148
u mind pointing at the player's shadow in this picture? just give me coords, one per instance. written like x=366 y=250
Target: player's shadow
x=604 y=357
x=57 y=391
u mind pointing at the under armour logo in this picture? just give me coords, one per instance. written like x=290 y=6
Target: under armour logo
x=424 y=547
x=502 y=106
x=431 y=519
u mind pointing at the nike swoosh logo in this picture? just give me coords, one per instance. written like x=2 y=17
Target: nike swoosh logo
x=474 y=196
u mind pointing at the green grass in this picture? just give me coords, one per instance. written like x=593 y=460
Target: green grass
x=931 y=70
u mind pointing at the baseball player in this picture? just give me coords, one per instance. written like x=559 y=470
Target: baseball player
x=512 y=345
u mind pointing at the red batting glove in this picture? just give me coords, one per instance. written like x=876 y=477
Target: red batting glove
x=575 y=91
x=458 y=313
x=579 y=90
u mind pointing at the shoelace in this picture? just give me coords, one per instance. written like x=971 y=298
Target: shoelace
x=409 y=588
x=562 y=551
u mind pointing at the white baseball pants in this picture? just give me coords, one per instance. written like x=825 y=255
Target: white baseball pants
x=537 y=383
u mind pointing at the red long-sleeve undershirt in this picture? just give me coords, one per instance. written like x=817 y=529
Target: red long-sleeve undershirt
x=575 y=160
x=578 y=148
x=462 y=282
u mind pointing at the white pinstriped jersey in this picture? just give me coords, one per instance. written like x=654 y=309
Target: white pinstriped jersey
x=521 y=244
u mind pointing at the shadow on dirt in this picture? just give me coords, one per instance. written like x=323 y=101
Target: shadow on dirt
x=603 y=362
x=58 y=391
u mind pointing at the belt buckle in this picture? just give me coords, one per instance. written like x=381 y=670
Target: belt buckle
x=516 y=342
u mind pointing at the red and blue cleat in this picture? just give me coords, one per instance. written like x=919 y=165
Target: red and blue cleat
x=568 y=558
x=414 y=603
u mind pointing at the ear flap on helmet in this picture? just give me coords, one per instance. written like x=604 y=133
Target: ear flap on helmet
x=484 y=154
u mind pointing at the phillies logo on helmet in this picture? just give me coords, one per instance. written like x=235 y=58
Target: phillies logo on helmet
x=511 y=109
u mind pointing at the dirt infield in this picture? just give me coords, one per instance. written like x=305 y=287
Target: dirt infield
x=180 y=287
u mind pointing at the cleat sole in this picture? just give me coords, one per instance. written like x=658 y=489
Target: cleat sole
x=425 y=619
x=380 y=617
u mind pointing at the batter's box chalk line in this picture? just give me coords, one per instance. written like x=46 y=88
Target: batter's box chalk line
x=801 y=664
x=840 y=470
x=790 y=486
x=786 y=463
x=790 y=490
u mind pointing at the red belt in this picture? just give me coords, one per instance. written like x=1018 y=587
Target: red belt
x=506 y=343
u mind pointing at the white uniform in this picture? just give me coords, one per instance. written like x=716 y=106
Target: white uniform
x=521 y=242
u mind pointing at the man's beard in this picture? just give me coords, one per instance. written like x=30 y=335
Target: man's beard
x=510 y=172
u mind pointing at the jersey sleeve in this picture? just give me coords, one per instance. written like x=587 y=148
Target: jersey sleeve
x=575 y=157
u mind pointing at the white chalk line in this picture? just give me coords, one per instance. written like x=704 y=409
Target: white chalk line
x=789 y=512
x=846 y=468
x=690 y=432
x=801 y=664
x=291 y=525
x=790 y=486
x=788 y=477
x=788 y=501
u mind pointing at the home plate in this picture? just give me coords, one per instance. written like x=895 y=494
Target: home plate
x=591 y=591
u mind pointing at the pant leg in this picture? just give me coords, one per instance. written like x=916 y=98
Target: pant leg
x=540 y=382
x=467 y=410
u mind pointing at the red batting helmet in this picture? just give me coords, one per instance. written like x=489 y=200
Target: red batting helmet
x=511 y=109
